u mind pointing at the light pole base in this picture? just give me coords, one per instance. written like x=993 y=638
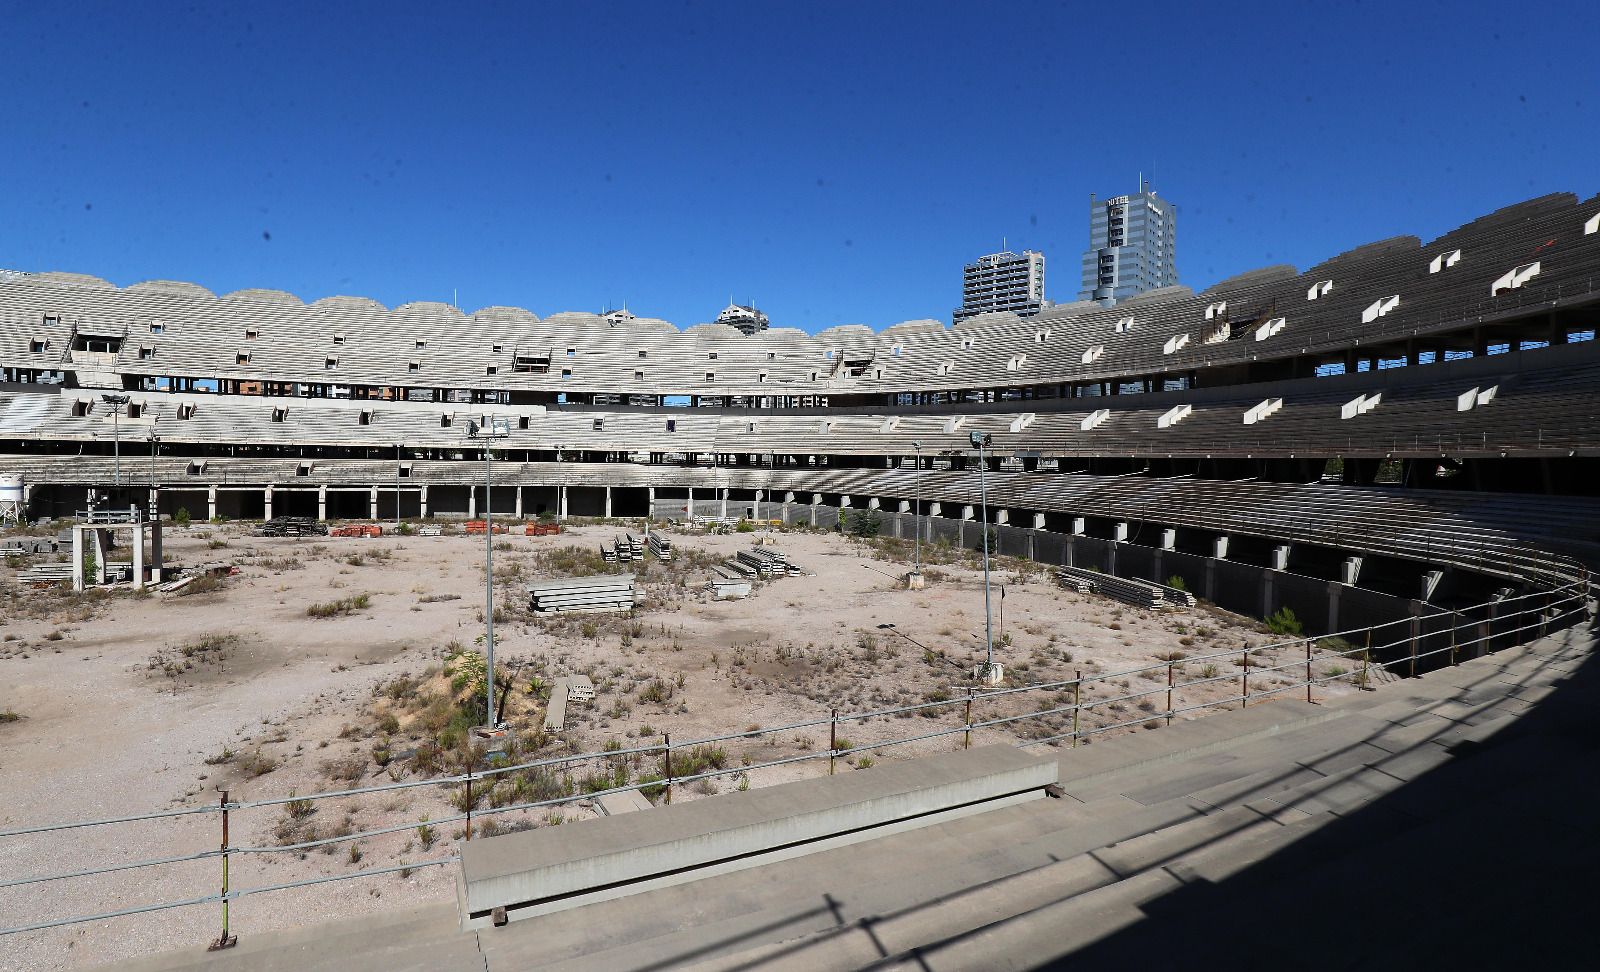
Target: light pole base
x=987 y=674
x=914 y=580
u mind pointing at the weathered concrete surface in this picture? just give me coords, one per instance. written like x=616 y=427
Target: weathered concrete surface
x=534 y=867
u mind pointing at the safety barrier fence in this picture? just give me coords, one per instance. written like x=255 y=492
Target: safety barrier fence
x=1061 y=713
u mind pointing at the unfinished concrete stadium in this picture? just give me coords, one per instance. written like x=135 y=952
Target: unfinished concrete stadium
x=1396 y=447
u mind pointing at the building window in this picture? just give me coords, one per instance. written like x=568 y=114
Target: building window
x=146 y=352
x=329 y=364
x=338 y=340
x=672 y=425
x=243 y=357
x=37 y=346
x=156 y=327
x=566 y=372
x=491 y=370
x=643 y=353
x=599 y=425
x=421 y=343
x=711 y=376
x=413 y=366
x=279 y=414
x=638 y=376
x=250 y=334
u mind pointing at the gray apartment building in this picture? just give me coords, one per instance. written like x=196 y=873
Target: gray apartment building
x=747 y=319
x=1132 y=247
x=1003 y=281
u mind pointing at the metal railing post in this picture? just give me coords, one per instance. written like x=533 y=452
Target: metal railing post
x=1544 y=615
x=966 y=737
x=1455 y=623
x=666 y=741
x=470 y=763
x=224 y=940
x=1244 y=680
x=1308 y=670
x=1415 y=623
x=1366 y=660
x=1169 y=693
x=833 y=738
x=1077 y=704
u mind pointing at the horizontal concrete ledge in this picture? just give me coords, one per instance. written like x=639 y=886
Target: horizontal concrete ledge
x=540 y=871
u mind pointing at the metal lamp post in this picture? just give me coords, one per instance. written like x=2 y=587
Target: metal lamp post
x=916 y=515
x=493 y=427
x=121 y=402
x=980 y=440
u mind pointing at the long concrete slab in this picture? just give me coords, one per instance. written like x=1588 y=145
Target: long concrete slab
x=540 y=871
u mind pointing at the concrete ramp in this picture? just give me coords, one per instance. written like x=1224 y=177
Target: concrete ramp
x=542 y=871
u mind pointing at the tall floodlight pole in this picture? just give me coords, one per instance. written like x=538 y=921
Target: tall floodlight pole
x=120 y=402
x=980 y=440
x=916 y=515
x=397 y=489
x=493 y=427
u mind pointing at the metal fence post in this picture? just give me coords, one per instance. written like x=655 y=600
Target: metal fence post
x=1544 y=614
x=1169 y=693
x=1308 y=669
x=1415 y=624
x=1366 y=660
x=225 y=940
x=966 y=737
x=471 y=762
x=1455 y=622
x=833 y=737
x=1077 y=705
x=666 y=741
x=1244 y=680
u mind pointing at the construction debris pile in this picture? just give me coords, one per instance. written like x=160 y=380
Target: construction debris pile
x=603 y=592
x=1140 y=593
x=292 y=526
x=734 y=578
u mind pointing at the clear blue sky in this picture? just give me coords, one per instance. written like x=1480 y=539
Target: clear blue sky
x=836 y=162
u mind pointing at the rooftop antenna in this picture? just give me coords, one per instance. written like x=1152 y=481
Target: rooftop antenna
x=455 y=298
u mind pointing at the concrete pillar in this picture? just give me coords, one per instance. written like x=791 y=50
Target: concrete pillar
x=138 y=557
x=322 y=502
x=423 y=500
x=1267 y=606
x=563 y=503
x=1069 y=552
x=266 y=503
x=873 y=503
x=608 y=501
x=650 y=502
x=935 y=509
x=904 y=506
x=1030 y=545
x=844 y=502
x=1211 y=579
x=1119 y=532
x=372 y=505
x=1169 y=539
x=1219 y=549
x=724 y=507
x=1334 y=590
x=472 y=502
x=1077 y=526
x=518 y=508
x=77 y=558
x=689 y=506
x=968 y=512
x=1111 y=559
x=1038 y=521
x=1350 y=571
x=1280 y=557
x=1156 y=574
x=1002 y=516
x=211 y=502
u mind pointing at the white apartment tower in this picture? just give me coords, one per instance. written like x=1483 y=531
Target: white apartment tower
x=1132 y=247
x=1002 y=281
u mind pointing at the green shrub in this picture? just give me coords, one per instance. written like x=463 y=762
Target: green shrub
x=1176 y=583
x=1284 y=622
x=181 y=518
x=744 y=526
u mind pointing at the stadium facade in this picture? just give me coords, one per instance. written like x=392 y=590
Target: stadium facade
x=1406 y=418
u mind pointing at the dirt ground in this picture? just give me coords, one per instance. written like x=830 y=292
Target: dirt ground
x=126 y=704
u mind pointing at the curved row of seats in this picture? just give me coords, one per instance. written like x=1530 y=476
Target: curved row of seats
x=181 y=330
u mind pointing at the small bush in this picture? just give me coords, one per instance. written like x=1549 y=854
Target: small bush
x=181 y=518
x=1176 y=583
x=425 y=833
x=1284 y=622
x=343 y=606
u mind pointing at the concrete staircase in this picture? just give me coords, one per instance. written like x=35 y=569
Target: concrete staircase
x=1440 y=818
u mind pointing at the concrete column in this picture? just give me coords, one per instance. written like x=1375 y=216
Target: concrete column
x=138 y=557
x=873 y=503
x=322 y=502
x=650 y=502
x=472 y=502
x=1334 y=590
x=1069 y=552
x=608 y=501
x=723 y=508
x=563 y=503
x=1211 y=579
x=1169 y=539
x=1267 y=606
x=903 y=507
x=423 y=500
x=844 y=502
x=967 y=513
x=935 y=509
x=1156 y=573
x=1038 y=521
x=1078 y=526
x=689 y=507
x=266 y=503
x=1351 y=571
x=1119 y=532
x=1030 y=546
x=1280 y=557
x=1002 y=516
x=101 y=549
x=1219 y=549
x=518 y=508
x=1111 y=559
x=77 y=558
x=211 y=502
x=372 y=505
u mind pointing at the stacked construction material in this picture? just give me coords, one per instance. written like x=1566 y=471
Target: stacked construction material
x=634 y=544
x=292 y=526
x=478 y=526
x=728 y=584
x=541 y=529
x=660 y=546
x=766 y=562
x=608 y=553
x=429 y=531
x=603 y=592
x=1072 y=582
x=25 y=546
x=43 y=574
x=567 y=688
x=1136 y=592
x=357 y=530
